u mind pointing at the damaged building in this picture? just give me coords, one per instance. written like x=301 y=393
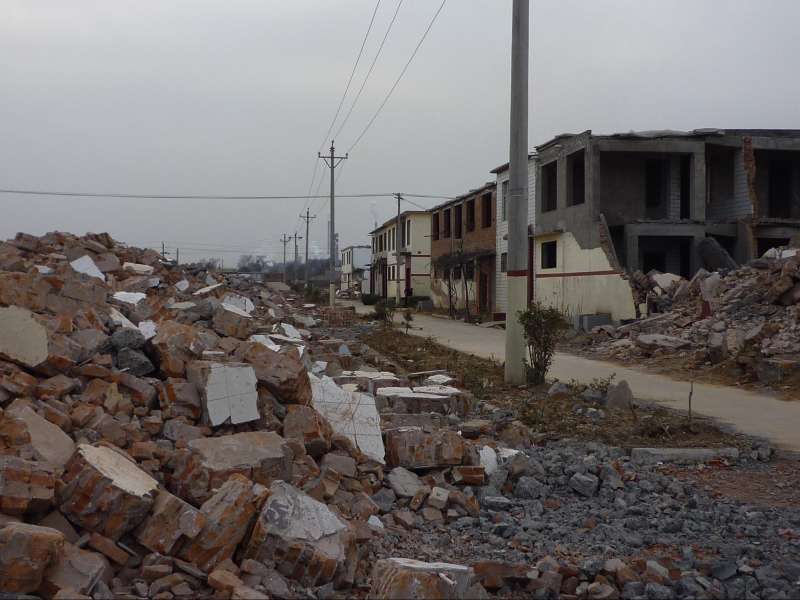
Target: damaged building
x=463 y=252
x=610 y=205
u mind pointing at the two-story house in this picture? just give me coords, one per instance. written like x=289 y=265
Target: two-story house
x=463 y=246
x=609 y=205
x=402 y=257
x=355 y=269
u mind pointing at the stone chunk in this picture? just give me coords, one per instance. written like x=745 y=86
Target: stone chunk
x=25 y=553
x=74 y=572
x=412 y=448
x=229 y=513
x=47 y=441
x=86 y=266
x=105 y=492
x=231 y=321
x=685 y=456
x=25 y=486
x=351 y=414
x=658 y=341
x=282 y=372
x=108 y=548
x=171 y=519
x=584 y=484
x=304 y=537
x=307 y=425
x=181 y=398
x=26 y=341
x=207 y=463
x=619 y=395
x=227 y=391
x=406 y=578
x=438 y=498
x=404 y=483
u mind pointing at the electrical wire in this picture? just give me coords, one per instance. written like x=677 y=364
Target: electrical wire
x=369 y=72
x=344 y=95
x=178 y=196
x=405 y=68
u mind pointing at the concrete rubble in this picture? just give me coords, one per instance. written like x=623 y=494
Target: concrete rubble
x=744 y=317
x=169 y=432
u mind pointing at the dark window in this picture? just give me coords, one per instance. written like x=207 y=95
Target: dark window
x=655 y=188
x=402 y=234
x=456 y=273
x=435 y=226
x=459 y=210
x=780 y=189
x=446 y=223
x=576 y=194
x=469 y=271
x=549 y=255
x=471 y=215
x=486 y=210
x=550 y=186
x=654 y=261
x=686 y=203
x=503 y=262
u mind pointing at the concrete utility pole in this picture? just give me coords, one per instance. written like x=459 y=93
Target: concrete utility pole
x=285 y=239
x=517 y=207
x=295 y=249
x=332 y=161
x=307 y=218
x=397 y=238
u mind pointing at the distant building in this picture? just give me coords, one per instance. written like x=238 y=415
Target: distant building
x=355 y=268
x=414 y=242
x=463 y=248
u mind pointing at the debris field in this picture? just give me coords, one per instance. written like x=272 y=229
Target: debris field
x=168 y=432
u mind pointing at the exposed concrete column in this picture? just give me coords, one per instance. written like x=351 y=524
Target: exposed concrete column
x=631 y=250
x=698 y=210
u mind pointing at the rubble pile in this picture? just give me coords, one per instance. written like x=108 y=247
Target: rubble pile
x=747 y=316
x=167 y=432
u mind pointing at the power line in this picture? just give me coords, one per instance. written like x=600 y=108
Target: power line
x=344 y=95
x=405 y=68
x=369 y=72
x=178 y=196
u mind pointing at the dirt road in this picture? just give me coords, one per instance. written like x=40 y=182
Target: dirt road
x=751 y=413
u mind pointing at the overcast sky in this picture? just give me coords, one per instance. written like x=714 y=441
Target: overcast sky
x=202 y=97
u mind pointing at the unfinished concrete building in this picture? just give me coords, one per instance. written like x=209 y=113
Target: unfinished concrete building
x=607 y=205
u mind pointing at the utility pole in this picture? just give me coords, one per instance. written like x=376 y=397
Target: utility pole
x=397 y=238
x=307 y=218
x=332 y=161
x=294 y=263
x=285 y=239
x=177 y=256
x=517 y=207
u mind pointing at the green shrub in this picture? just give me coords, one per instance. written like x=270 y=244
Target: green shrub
x=543 y=326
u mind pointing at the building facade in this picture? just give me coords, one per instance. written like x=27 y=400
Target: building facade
x=463 y=247
x=355 y=268
x=607 y=206
x=413 y=243
x=501 y=230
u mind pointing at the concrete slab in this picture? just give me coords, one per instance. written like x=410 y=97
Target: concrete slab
x=353 y=415
x=86 y=265
x=227 y=391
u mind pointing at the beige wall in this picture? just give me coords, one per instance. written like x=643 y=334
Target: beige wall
x=587 y=294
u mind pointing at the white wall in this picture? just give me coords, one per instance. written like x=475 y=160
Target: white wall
x=585 y=294
x=501 y=290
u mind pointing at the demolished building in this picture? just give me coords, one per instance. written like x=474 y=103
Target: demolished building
x=608 y=206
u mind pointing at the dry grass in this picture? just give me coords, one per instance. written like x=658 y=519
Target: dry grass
x=551 y=419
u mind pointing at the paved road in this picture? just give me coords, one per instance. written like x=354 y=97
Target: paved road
x=751 y=413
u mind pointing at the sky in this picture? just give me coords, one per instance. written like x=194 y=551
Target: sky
x=200 y=97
